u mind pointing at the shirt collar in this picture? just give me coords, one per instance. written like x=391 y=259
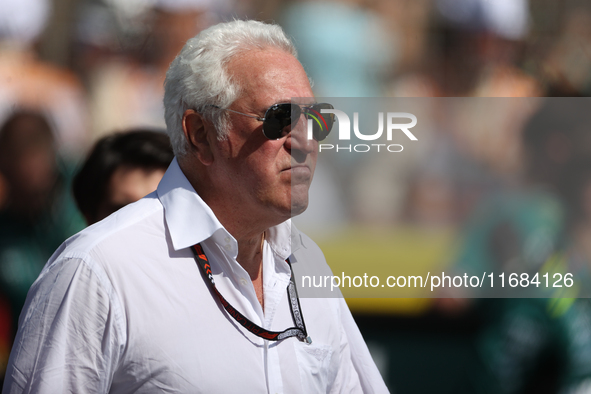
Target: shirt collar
x=190 y=220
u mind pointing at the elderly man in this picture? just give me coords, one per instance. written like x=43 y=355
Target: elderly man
x=191 y=288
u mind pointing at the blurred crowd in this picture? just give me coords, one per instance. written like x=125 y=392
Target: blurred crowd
x=74 y=72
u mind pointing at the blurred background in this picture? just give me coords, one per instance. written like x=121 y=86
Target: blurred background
x=74 y=71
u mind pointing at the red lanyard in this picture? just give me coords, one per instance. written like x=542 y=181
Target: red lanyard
x=294 y=305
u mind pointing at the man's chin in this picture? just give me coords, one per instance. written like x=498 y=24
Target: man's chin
x=298 y=206
x=299 y=197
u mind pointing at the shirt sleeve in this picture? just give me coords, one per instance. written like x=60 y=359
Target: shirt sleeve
x=70 y=336
x=369 y=376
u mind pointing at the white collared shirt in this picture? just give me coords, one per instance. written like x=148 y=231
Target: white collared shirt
x=122 y=307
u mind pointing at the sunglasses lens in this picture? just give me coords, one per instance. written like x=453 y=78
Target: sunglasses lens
x=278 y=117
x=321 y=122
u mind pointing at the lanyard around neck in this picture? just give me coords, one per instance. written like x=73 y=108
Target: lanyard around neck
x=294 y=305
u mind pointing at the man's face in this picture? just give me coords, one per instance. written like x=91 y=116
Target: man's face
x=266 y=177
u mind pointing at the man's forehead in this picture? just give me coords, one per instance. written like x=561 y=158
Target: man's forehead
x=270 y=71
x=263 y=63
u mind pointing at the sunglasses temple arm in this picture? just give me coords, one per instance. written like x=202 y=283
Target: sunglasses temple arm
x=241 y=113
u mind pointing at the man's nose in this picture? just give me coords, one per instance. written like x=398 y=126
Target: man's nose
x=298 y=137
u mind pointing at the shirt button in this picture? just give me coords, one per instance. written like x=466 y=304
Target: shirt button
x=228 y=247
x=243 y=281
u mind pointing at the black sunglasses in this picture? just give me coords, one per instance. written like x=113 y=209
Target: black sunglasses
x=279 y=116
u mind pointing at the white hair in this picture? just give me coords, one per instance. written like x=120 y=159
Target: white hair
x=197 y=78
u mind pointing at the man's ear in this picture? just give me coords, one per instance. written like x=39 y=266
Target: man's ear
x=195 y=129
